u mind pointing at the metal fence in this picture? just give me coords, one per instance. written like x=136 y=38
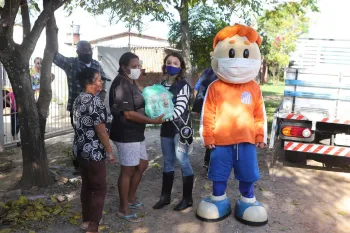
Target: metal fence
x=58 y=121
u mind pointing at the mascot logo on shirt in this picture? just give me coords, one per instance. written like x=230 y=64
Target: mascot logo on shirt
x=236 y=57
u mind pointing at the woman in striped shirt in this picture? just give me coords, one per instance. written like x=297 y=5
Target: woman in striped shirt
x=176 y=133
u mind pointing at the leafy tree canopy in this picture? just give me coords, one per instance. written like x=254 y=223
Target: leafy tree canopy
x=132 y=11
x=280 y=29
x=204 y=23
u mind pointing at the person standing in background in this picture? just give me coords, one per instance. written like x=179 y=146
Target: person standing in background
x=11 y=101
x=35 y=77
x=202 y=85
x=73 y=65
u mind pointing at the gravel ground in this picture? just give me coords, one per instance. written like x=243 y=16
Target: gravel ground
x=298 y=198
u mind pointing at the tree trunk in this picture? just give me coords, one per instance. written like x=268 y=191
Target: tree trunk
x=185 y=36
x=273 y=72
x=25 y=18
x=45 y=76
x=15 y=58
x=265 y=72
x=35 y=163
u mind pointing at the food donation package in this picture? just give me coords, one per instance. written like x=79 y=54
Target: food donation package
x=158 y=101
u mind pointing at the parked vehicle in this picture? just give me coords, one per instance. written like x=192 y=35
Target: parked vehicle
x=313 y=119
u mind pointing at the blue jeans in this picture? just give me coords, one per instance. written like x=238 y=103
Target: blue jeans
x=171 y=151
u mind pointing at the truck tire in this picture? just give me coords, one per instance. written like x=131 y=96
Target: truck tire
x=336 y=162
x=295 y=157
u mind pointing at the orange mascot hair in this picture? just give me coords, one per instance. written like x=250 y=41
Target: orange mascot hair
x=237 y=29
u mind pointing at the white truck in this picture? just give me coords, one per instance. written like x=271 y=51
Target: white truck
x=313 y=119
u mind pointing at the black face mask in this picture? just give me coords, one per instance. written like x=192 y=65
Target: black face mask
x=86 y=58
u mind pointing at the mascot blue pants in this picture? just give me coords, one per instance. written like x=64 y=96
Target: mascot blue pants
x=243 y=159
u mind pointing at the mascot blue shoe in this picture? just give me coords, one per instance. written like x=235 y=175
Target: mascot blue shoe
x=250 y=212
x=214 y=209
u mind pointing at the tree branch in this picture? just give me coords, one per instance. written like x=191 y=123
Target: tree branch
x=29 y=43
x=25 y=18
x=58 y=3
x=45 y=77
x=7 y=18
x=9 y=12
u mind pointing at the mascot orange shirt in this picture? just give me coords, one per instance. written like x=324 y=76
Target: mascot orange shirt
x=233 y=124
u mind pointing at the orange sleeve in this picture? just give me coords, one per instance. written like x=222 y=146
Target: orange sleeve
x=260 y=121
x=208 y=117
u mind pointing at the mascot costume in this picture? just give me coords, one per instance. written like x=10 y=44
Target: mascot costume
x=233 y=124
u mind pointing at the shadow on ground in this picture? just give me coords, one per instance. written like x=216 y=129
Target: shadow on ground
x=297 y=199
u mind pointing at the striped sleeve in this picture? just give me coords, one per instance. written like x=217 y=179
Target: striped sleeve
x=181 y=102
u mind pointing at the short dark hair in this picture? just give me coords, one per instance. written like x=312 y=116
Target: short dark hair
x=37 y=59
x=125 y=60
x=86 y=76
x=181 y=75
x=81 y=43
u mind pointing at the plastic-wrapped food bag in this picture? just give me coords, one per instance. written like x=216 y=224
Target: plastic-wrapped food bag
x=158 y=101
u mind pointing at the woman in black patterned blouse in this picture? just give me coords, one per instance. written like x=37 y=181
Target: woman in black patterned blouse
x=91 y=147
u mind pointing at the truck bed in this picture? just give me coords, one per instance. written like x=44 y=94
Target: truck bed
x=317 y=94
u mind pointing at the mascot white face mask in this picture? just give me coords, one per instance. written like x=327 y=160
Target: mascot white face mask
x=236 y=59
x=237 y=70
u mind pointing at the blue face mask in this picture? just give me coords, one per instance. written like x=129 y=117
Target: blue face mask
x=171 y=70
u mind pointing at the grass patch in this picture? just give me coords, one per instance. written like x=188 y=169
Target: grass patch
x=272 y=94
x=271 y=89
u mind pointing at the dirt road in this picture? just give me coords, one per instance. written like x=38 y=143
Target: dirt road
x=297 y=199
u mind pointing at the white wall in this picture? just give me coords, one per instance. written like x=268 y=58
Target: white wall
x=109 y=60
x=134 y=41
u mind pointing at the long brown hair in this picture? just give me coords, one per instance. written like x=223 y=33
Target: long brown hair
x=181 y=74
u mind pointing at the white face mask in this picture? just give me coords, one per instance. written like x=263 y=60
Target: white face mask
x=237 y=70
x=134 y=74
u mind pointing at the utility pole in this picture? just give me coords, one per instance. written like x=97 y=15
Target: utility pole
x=72 y=33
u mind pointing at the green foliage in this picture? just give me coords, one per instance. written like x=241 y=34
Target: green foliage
x=18 y=212
x=34 y=5
x=204 y=23
x=132 y=11
x=7 y=230
x=280 y=29
x=68 y=151
x=129 y=11
x=273 y=94
x=75 y=219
